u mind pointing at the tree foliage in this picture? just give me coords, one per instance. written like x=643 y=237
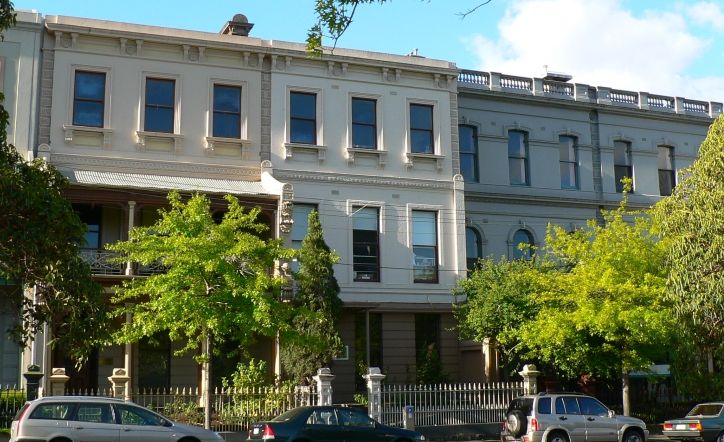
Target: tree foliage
x=333 y=19
x=593 y=303
x=318 y=308
x=40 y=236
x=217 y=281
x=691 y=221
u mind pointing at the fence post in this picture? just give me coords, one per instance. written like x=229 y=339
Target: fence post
x=530 y=379
x=324 y=379
x=374 y=379
x=32 y=376
x=118 y=380
x=57 y=381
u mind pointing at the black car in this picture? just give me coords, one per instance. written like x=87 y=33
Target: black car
x=328 y=423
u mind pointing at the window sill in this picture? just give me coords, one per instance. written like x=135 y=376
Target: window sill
x=423 y=157
x=144 y=136
x=289 y=149
x=211 y=142
x=353 y=152
x=69 y=132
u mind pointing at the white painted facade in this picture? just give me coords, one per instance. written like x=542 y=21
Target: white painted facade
x=19 y=75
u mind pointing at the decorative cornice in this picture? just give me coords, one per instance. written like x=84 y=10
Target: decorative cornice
x=296 y=175
x=86 y=162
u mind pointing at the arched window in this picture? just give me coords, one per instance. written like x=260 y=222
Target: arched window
x=473 y=247
x=522 y=243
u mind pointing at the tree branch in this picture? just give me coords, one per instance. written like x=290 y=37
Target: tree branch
x=470 y=11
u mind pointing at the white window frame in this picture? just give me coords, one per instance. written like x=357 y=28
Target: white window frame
x=143 y=134
x=436 y=154
x=440 y=244
x=380 y=206
x=290 y=148
x=380 y=151
x=69 y=129
x=243 y=140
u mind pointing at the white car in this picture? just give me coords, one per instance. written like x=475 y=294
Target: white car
x=98 y=419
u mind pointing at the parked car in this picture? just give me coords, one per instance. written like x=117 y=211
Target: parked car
x=567 y=417
x=705 y=422
x=98 y=419
x=327 y=424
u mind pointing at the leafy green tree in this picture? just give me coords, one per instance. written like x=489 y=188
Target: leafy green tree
x=318 y=308
x=217 y=284
x=40 y=235
x=691 y=221
x=595 y=306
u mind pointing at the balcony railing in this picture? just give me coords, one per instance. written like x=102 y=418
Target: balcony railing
x=99 y=261
x=497 y=82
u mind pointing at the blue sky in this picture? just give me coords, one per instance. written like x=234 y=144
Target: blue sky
x=671 y=47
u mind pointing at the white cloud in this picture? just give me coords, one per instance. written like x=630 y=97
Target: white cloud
x=599 y=43
x=707 y=13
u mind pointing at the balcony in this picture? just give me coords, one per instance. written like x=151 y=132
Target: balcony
x=100 y=262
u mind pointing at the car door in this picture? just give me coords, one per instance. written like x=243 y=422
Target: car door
x=140 y=425
x=568 y=416
x=93 y=422
x=322 y=425
x=48 y=419
x=600 y=427
x=359 y=427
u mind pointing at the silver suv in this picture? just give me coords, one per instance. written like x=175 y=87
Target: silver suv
x=567 y=417
x=98 y=419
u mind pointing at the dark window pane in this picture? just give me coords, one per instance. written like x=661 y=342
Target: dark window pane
x=421 y=141
x=568 y=176
x=90 y=85
x=364 y=136
x=420 y=116
x=567 y=148
x=158 y=119
x=227 y=98
x=365 y=244
x=468 y=153
x=88 y=113
x=560 y=408
x=303 y=105
x=517 y=144
x=303 y=131
x=427 y=334
x=425 y=264
x=227 y=125
x=363 y=111
x=571 y=405
x=517 y=168
x=666 y=182
x=620 y=173
x=467 y=139
x=544 y=405
x=522 y=238
x=160 y=92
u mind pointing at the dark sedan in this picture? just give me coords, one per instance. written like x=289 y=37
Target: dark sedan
x=705 y=423
x=329 y=423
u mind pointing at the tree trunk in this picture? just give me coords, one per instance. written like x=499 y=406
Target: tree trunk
x=625 y=395
x=206 y=380
x=710 y=361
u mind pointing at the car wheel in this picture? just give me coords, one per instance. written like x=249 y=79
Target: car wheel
x=720 y=438
x=633 y=436
x=557 y=436
x=516 y=423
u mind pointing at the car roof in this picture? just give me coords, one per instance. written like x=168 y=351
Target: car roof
x=78 y=399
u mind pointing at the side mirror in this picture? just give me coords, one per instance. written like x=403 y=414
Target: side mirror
x=611 y=414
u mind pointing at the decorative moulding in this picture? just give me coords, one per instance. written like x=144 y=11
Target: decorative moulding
x=69 y=132
x=413 y=157
x=144 y=136
x=211 y=142
x=290 y=148
x=352 y=152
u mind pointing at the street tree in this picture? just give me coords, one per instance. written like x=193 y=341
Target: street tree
x=691 y=221
x=596 y=305
x=40 y=239
x=217 y=282
x=318 y=308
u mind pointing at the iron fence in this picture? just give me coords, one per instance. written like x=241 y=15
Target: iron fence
x=232 y=409
x=11 y=400
x=448 y=404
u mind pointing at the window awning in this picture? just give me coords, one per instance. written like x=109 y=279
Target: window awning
x=163 y=182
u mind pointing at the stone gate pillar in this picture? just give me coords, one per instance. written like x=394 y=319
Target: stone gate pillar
x=374 y=379
x=324 y=379
x=530 y=378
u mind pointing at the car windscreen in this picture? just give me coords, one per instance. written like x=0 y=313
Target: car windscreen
x=706 y=410
x=289 y=415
